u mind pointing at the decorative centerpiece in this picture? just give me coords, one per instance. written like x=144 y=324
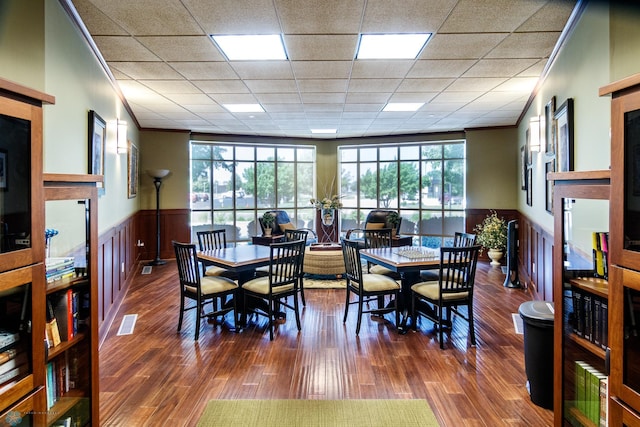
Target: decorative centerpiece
x=328 y=207
x=492 y=235
x=267 y=220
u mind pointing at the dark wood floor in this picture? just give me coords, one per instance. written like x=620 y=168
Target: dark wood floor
x=159 y=377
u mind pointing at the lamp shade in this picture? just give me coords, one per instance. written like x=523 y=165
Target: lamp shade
x=158 y=173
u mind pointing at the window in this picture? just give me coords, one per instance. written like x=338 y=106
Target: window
x=424 y=181
x=233 y=184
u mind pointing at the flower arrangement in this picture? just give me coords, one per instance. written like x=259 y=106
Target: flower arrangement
x=492 y=232
x=332 y=202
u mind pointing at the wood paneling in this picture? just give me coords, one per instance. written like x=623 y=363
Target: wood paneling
x=174 y=225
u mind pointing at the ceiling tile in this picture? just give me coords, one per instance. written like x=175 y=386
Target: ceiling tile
x=323 y=85
x=221 y=86
x=184 y=48
x=461 y=46
x=405 y=16
x=429 y=68
x=374 y=85
x=321 y=47
x=321 y=69
x=146 y=70
x=505 y=16
x=257 y=70
x=329 y=16
x=525 y=45
x=235 y=16
x=271 y=86
x=499 y=67
x=424 y=85
x=204 y=70
x=171 y=86
x=123 y=48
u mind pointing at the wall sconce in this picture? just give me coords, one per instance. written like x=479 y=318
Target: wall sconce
x=534 y=133
x=122 y=136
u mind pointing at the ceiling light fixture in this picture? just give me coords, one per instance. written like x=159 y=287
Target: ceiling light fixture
x=251 y=47
x=391 y=46
x=244 y=108
x=403 y=106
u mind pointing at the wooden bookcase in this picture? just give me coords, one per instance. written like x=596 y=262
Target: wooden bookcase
x=27 y=199
x=71 y=366
x=624 y=379
x=580 y=207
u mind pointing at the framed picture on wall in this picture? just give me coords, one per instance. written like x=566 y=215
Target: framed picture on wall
x=132 y=170
x=563 y=118
x=549 y=110
x=529 y=187
x=523 y=170
x=97 y=139
x=549 y=167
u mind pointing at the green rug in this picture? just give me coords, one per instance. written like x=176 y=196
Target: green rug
x=317 y=413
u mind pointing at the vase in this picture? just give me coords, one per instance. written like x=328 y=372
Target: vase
x=267 y=231
x=328 y=216
x=496 y=256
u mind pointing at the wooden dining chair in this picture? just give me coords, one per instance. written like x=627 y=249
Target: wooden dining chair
x=282 y=281
x=214 y=239
x=293 y=235
x=366 y=287
x=459 y=239
x=202 y=289
x=380 y=238
x=453 y=289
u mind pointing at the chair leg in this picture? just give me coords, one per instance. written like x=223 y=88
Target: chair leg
x=235 y=312
x=271 y=303
x=198 y=317
x=414 y=315
x=296 y=308
x=360 y=298
x=397 y=309
x=304 y=302
x=346 y=306
x=440 y=328
x=472 y=329
x=181 y=313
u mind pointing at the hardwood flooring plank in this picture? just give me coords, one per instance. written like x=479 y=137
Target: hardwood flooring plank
x=158 y=376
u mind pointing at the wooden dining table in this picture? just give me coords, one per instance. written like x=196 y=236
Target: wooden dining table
x=408 y=261
x=241 y=259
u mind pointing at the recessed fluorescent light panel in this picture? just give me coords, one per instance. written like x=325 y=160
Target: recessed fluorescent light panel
x=251 y=47
x=244 y=108
x=403 y=106
x=324 y=130
x=391 y=46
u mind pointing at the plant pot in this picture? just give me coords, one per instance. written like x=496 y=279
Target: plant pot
x=267 y=232
x=496 y=256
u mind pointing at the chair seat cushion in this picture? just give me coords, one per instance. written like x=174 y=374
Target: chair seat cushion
x=260 y=285
x=431 y=290
x=214 y=284
x=378 y=269
x=215 y=271
x=378 y=282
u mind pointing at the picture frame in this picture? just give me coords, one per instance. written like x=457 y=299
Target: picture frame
x=132 y=170
x=563 y=125
x=528 y=144
x=530 y=187
x=549 y=137
x=523 y=172
x=97 y=139
x=549 y=167
x=4 y=172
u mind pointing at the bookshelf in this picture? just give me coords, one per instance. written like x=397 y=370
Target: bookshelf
x=70 y=259
x=624 y=306
x=581 y=297
x=21 y=254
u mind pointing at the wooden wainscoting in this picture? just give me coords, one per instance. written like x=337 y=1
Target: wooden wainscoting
x=534 y=253
x=119 y=255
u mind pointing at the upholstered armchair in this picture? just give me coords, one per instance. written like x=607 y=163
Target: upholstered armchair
x=377 y=219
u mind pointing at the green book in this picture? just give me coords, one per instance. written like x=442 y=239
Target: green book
x=580 y=386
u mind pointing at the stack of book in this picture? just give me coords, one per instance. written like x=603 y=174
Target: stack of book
x=59 y=268
x=591 y=394
x=590 y=317
x=13 y=361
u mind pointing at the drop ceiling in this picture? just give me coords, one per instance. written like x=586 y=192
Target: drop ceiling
x=478 y=70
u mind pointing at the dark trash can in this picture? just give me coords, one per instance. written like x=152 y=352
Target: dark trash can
x=537 y=319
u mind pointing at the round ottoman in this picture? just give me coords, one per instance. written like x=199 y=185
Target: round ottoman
x=323 y=262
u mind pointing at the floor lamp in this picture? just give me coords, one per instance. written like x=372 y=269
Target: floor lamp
x=157 y=175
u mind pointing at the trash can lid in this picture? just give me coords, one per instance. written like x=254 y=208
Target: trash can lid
x=537 y=310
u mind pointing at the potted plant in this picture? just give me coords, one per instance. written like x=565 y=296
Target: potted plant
x=267 y=220
x=492 y=235
x=393 y=219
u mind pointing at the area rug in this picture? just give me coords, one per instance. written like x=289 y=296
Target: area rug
x=323 y=282
x=318 y=413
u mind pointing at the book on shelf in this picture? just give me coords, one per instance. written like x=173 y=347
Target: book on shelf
x=62 y=304
x=13 y=373
x=8 y=338
x=8 y=354
x=19 y=359
x=59 y=268
x=600 y=242
x=590 y=317
x=591 y=393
